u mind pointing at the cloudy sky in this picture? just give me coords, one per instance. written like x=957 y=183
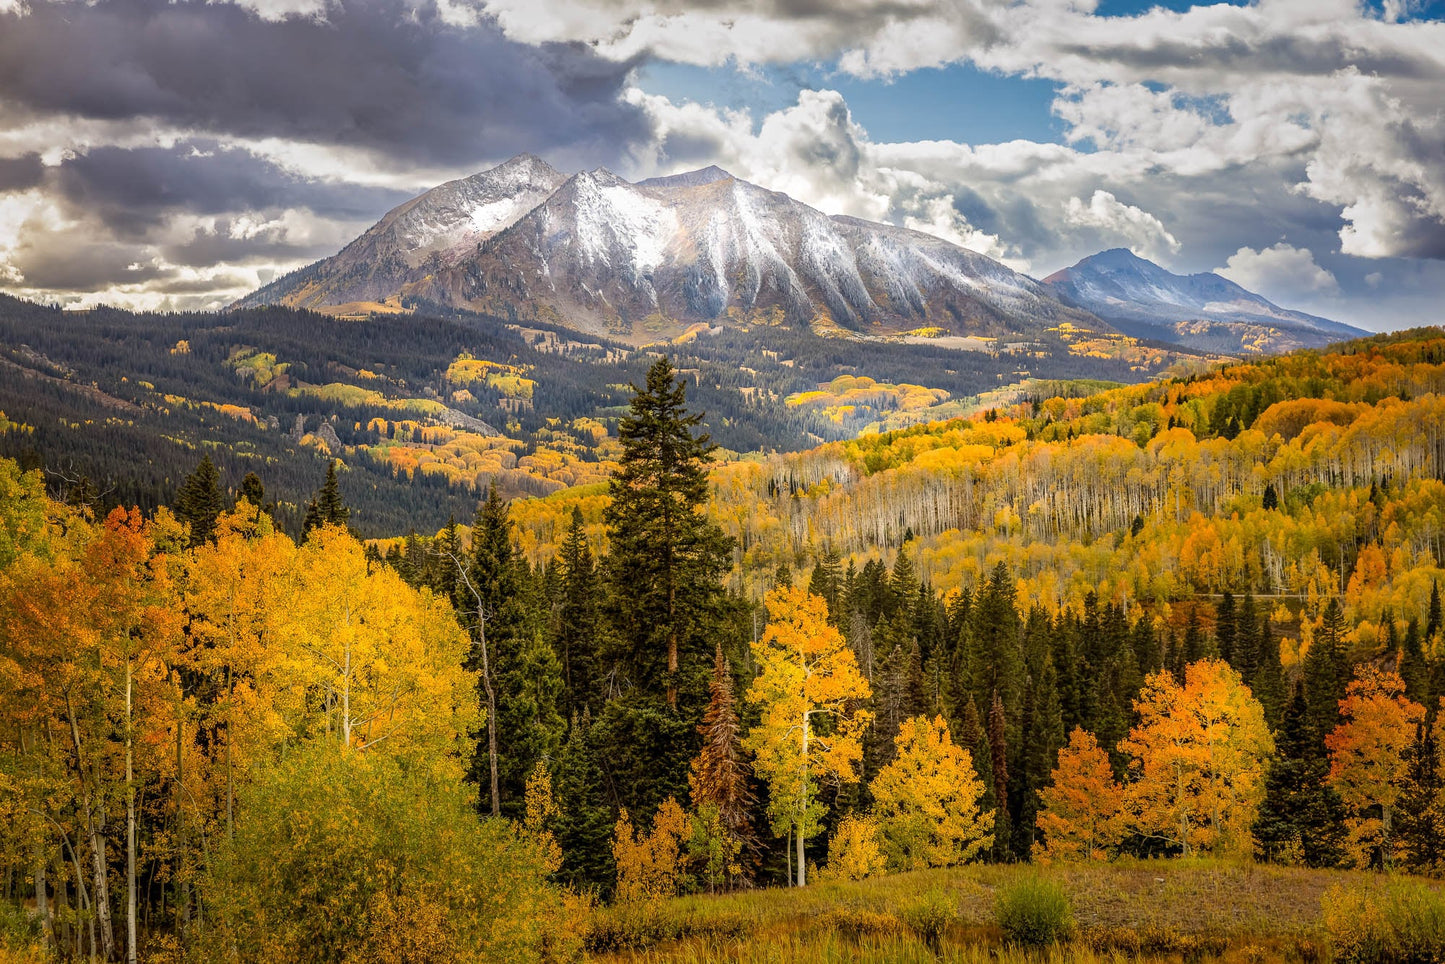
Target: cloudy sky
x=175 y=153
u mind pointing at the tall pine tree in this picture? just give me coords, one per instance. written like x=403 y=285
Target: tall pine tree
x=1301 y=816
x=720 y=773
x=666 y=558
x=200 y=501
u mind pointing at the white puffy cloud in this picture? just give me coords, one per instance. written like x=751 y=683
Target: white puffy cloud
x=1280 y=272
x=1140 y=231
x=1333 y=99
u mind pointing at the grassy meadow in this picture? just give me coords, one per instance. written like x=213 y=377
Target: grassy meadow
x=1151 y=911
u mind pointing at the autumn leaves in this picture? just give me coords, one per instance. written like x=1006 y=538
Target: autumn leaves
x=810 y=690
x=1198 y=756
x=147 y=684
x=1198 y=760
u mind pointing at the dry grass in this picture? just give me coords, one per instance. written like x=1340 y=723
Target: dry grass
x=1149 y=911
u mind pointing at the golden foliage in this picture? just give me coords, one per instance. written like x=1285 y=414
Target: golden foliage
x=1200 y=753
x=1367 y=758
x=854 y=852
x=926 y=800
x=806 y=673
x=650 y=866
x=541 y=813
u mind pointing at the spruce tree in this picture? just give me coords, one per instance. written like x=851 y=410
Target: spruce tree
x=993 y=660
x=1420 y=824
x=826 y=582
x=1246 y=639
x=1326 y=675
x=326 y=508
x=666 y=559
x=254 y=492
x=1301 y=816
x=1414 y=670
x=998 y=751
x=577 y=620
x=200 y=501
x=585 y=821
x=1225 y=623
x=1432 y=621
x=1269 y=684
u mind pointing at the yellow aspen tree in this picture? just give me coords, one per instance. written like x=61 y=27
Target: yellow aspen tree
x=650 y=865
x=854 y=852
x=1368 y=765
x=541 y=814
x=233 y=591
x=1082 y=817
x=385 y=658
x=1200 y=752
x=926 y=800
x=808 y=687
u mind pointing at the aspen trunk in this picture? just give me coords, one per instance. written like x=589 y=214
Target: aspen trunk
x=230 y=786
x=183 y=885
x=803 y=814
x=491 y=720
x=95 y=827
x=346 y=701
x=130 y=921
x=42 y=900
x=101 y=885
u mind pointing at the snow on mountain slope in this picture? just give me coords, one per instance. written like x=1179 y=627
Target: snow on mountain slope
x=413 y=239
x=1203 y=311
x=646 y=260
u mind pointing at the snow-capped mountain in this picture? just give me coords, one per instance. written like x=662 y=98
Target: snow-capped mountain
x=431 y=231
x=1201 y=311
x=647 y=260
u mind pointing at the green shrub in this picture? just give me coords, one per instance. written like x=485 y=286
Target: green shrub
x=18 y=930
x=1400 y=922
x=929 y=916
x=1034 y=912
x=342 y=856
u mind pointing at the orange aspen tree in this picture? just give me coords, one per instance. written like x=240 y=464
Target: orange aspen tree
x=927 y=800
x=1368 y=766
x=1082 y=817
x=807 y=675
x=1200 y=752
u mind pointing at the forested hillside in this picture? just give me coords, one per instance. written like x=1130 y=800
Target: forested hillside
x=425 y=411
x=1195 y=618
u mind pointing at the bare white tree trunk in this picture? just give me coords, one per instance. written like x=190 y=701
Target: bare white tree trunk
x=130 y=921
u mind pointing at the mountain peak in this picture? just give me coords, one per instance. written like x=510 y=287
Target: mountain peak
x=704 y=175
x=1201 y=310
x=524 y=162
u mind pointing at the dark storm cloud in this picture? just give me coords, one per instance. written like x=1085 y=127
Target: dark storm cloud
x=373 y=74
x=1306 y=56
x=133 y=190
x=68 y=261
x=206 y=248
x=20 y=173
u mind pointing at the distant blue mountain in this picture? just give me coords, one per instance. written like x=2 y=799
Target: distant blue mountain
x=1201 y=311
